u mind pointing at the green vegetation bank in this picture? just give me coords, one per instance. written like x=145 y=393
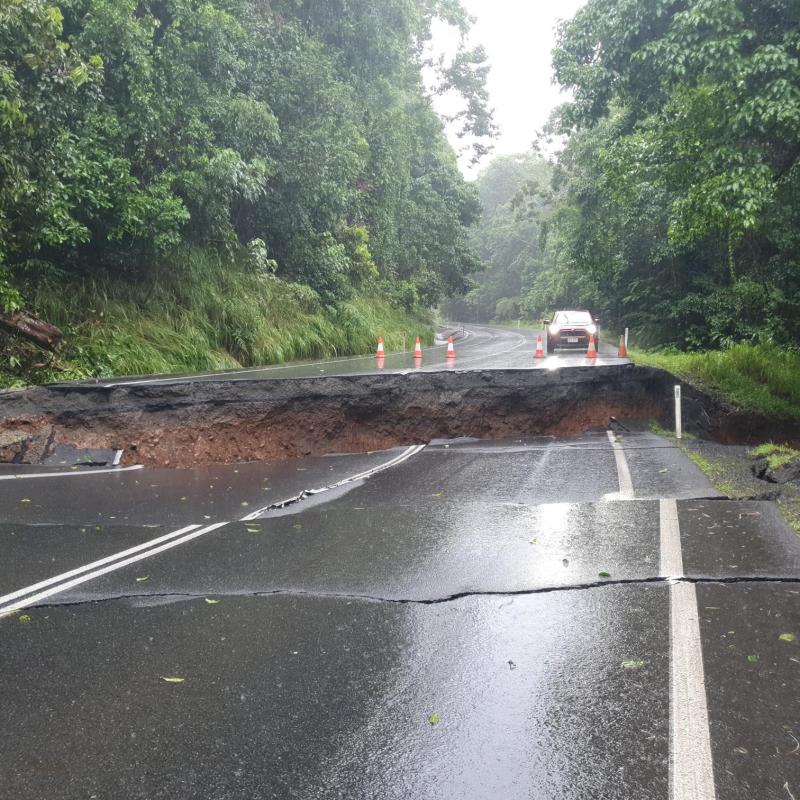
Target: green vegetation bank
x=190 y=184
x=676 y=202
x=673 y=206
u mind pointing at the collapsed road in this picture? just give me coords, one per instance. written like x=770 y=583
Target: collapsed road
x=537 y=613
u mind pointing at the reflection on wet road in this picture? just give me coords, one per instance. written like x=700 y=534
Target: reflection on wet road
x=476 y=347
x=474 y=620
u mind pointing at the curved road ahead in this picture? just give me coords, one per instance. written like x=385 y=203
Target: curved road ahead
x=477 y=347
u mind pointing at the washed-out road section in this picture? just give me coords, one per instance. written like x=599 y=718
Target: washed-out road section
x=574 y=617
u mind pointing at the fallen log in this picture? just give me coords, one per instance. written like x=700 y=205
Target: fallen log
x=31 y=328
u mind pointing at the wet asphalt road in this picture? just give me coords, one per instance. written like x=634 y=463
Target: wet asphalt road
x=476 y=347
x=475 y=620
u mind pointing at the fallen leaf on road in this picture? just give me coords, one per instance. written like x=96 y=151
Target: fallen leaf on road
x=433 y=718
x=24 y=619
x=25 y=500
x=633 y=664
x=143 y=578
x=437 y=494
x=662 y=471
x=604 y=574
x=787 y=637
x=253 y=530
x=752 y=658
x=172 y=679
x=211 y=601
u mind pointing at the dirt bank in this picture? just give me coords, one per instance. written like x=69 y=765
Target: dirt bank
x=195 y=423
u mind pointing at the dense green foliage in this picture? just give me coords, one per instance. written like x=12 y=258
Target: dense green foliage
x=507 y=239
x=294 y=136
x=760 y=377
x=205 y=313
x=676 y=203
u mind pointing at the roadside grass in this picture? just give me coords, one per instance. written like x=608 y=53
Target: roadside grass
x=729 y=468
x=200 y=315
x=777 y=455
x=762 y=377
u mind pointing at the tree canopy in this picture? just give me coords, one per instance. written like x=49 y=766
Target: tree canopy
x=677 y=198
x=297 y=132
x=507 y=237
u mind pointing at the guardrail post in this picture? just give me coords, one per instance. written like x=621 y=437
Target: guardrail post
x=678 y=421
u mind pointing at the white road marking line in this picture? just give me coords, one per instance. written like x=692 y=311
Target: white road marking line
x=671 y=564
x=67 y=474
x=87 y=572
x=62 y=587
x=691 y=770
x=406 y=454
x=623 y=472
x=99 y=563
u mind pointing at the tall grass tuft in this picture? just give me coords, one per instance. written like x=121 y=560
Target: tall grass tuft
x=204 y=314
x=760 y=377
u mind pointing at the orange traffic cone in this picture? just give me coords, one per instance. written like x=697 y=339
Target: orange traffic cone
x=417 y=349
x=451 y=351
x=379 y=353
x=380 y=361
x=623 y=351
x=539 y=348
x=592 y=351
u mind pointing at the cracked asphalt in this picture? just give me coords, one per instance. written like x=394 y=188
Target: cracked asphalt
x=465 y=620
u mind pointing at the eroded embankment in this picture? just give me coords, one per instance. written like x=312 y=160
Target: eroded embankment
x=194 y=423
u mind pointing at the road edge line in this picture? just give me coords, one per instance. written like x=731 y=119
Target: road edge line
x=691 y=768
x=70 y=474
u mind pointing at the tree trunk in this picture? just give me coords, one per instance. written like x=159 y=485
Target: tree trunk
x=35 y=330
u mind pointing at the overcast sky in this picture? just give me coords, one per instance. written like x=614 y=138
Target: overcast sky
x=518 y=36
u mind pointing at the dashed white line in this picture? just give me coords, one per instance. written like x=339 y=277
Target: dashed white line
x=21 y=476
x=691 y=771
x=623 y=472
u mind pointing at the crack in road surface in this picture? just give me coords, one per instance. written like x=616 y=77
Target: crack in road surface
x=601 y=584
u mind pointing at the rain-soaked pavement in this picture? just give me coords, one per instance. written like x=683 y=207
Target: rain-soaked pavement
x=476 y=347
x=545 y=618
x=479 y=620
